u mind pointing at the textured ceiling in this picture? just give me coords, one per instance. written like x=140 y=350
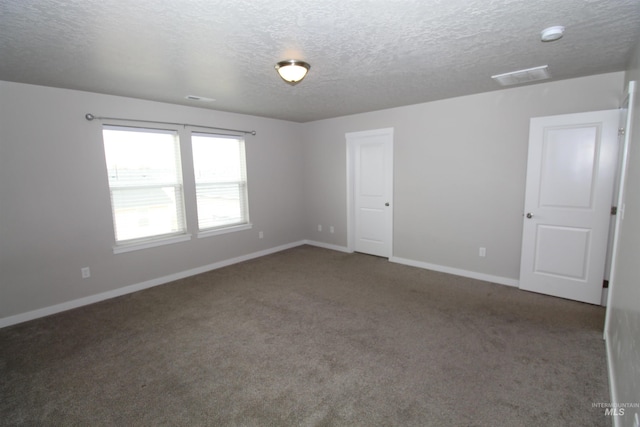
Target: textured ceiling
x=364 y=55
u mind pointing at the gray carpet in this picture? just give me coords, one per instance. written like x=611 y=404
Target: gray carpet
x=310 y=337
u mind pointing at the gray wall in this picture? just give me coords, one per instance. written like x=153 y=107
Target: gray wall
x=623 y=333
x=55 y=214
x=459 y=173
x=459 y=184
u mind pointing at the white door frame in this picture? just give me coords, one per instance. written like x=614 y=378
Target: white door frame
x=351 y=218
x=619 y=199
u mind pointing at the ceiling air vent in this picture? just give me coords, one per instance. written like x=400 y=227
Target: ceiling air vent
x=523 y=76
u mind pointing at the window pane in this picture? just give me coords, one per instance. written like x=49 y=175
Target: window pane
x=220 y=204
x=221 y=190
x=217 y=159
x=145 y=181
x=146 y=212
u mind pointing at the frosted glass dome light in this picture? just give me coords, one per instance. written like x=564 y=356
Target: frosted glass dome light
x=292 y=71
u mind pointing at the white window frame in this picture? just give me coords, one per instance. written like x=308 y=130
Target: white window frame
x=242 y=183
x=127 y=245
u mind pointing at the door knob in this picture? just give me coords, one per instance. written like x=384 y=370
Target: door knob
x=529 y=215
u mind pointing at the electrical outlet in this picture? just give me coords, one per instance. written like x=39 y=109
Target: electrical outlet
x=86 y=272
x=319 y=227
x=260 y=235
x=332 y=229
x=482 y=252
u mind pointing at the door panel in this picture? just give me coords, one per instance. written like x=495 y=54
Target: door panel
x=570 y=174
x=370 y=166
x=368 y=222
x=568 y=167
x=562 y=251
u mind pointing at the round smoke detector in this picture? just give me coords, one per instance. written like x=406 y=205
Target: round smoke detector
x=552 y=34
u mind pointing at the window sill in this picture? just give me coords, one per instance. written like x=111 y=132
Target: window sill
x=118 y=249
x=225 y=230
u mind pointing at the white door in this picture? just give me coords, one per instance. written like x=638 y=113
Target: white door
x=370 y=168
x=570 y=175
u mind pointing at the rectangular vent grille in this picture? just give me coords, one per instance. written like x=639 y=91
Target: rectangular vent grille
x=523 y=76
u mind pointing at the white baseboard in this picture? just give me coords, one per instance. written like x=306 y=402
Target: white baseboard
x=612 y=379
x=457 y=272
x=46 y=311
x=328 y=246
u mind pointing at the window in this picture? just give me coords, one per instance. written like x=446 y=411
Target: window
x=221 y=182
x=145 y=180
x=146 y=185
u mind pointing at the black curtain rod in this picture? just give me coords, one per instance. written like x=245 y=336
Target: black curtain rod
x=90 y=117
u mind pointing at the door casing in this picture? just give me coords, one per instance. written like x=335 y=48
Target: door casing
x=352 y=140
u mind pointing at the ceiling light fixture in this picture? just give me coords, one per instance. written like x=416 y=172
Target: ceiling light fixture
x=523 y=76
x=292 y=71
x=552 y=34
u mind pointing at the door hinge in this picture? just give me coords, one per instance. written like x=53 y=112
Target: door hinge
x=614 y=210
x=621 y=132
